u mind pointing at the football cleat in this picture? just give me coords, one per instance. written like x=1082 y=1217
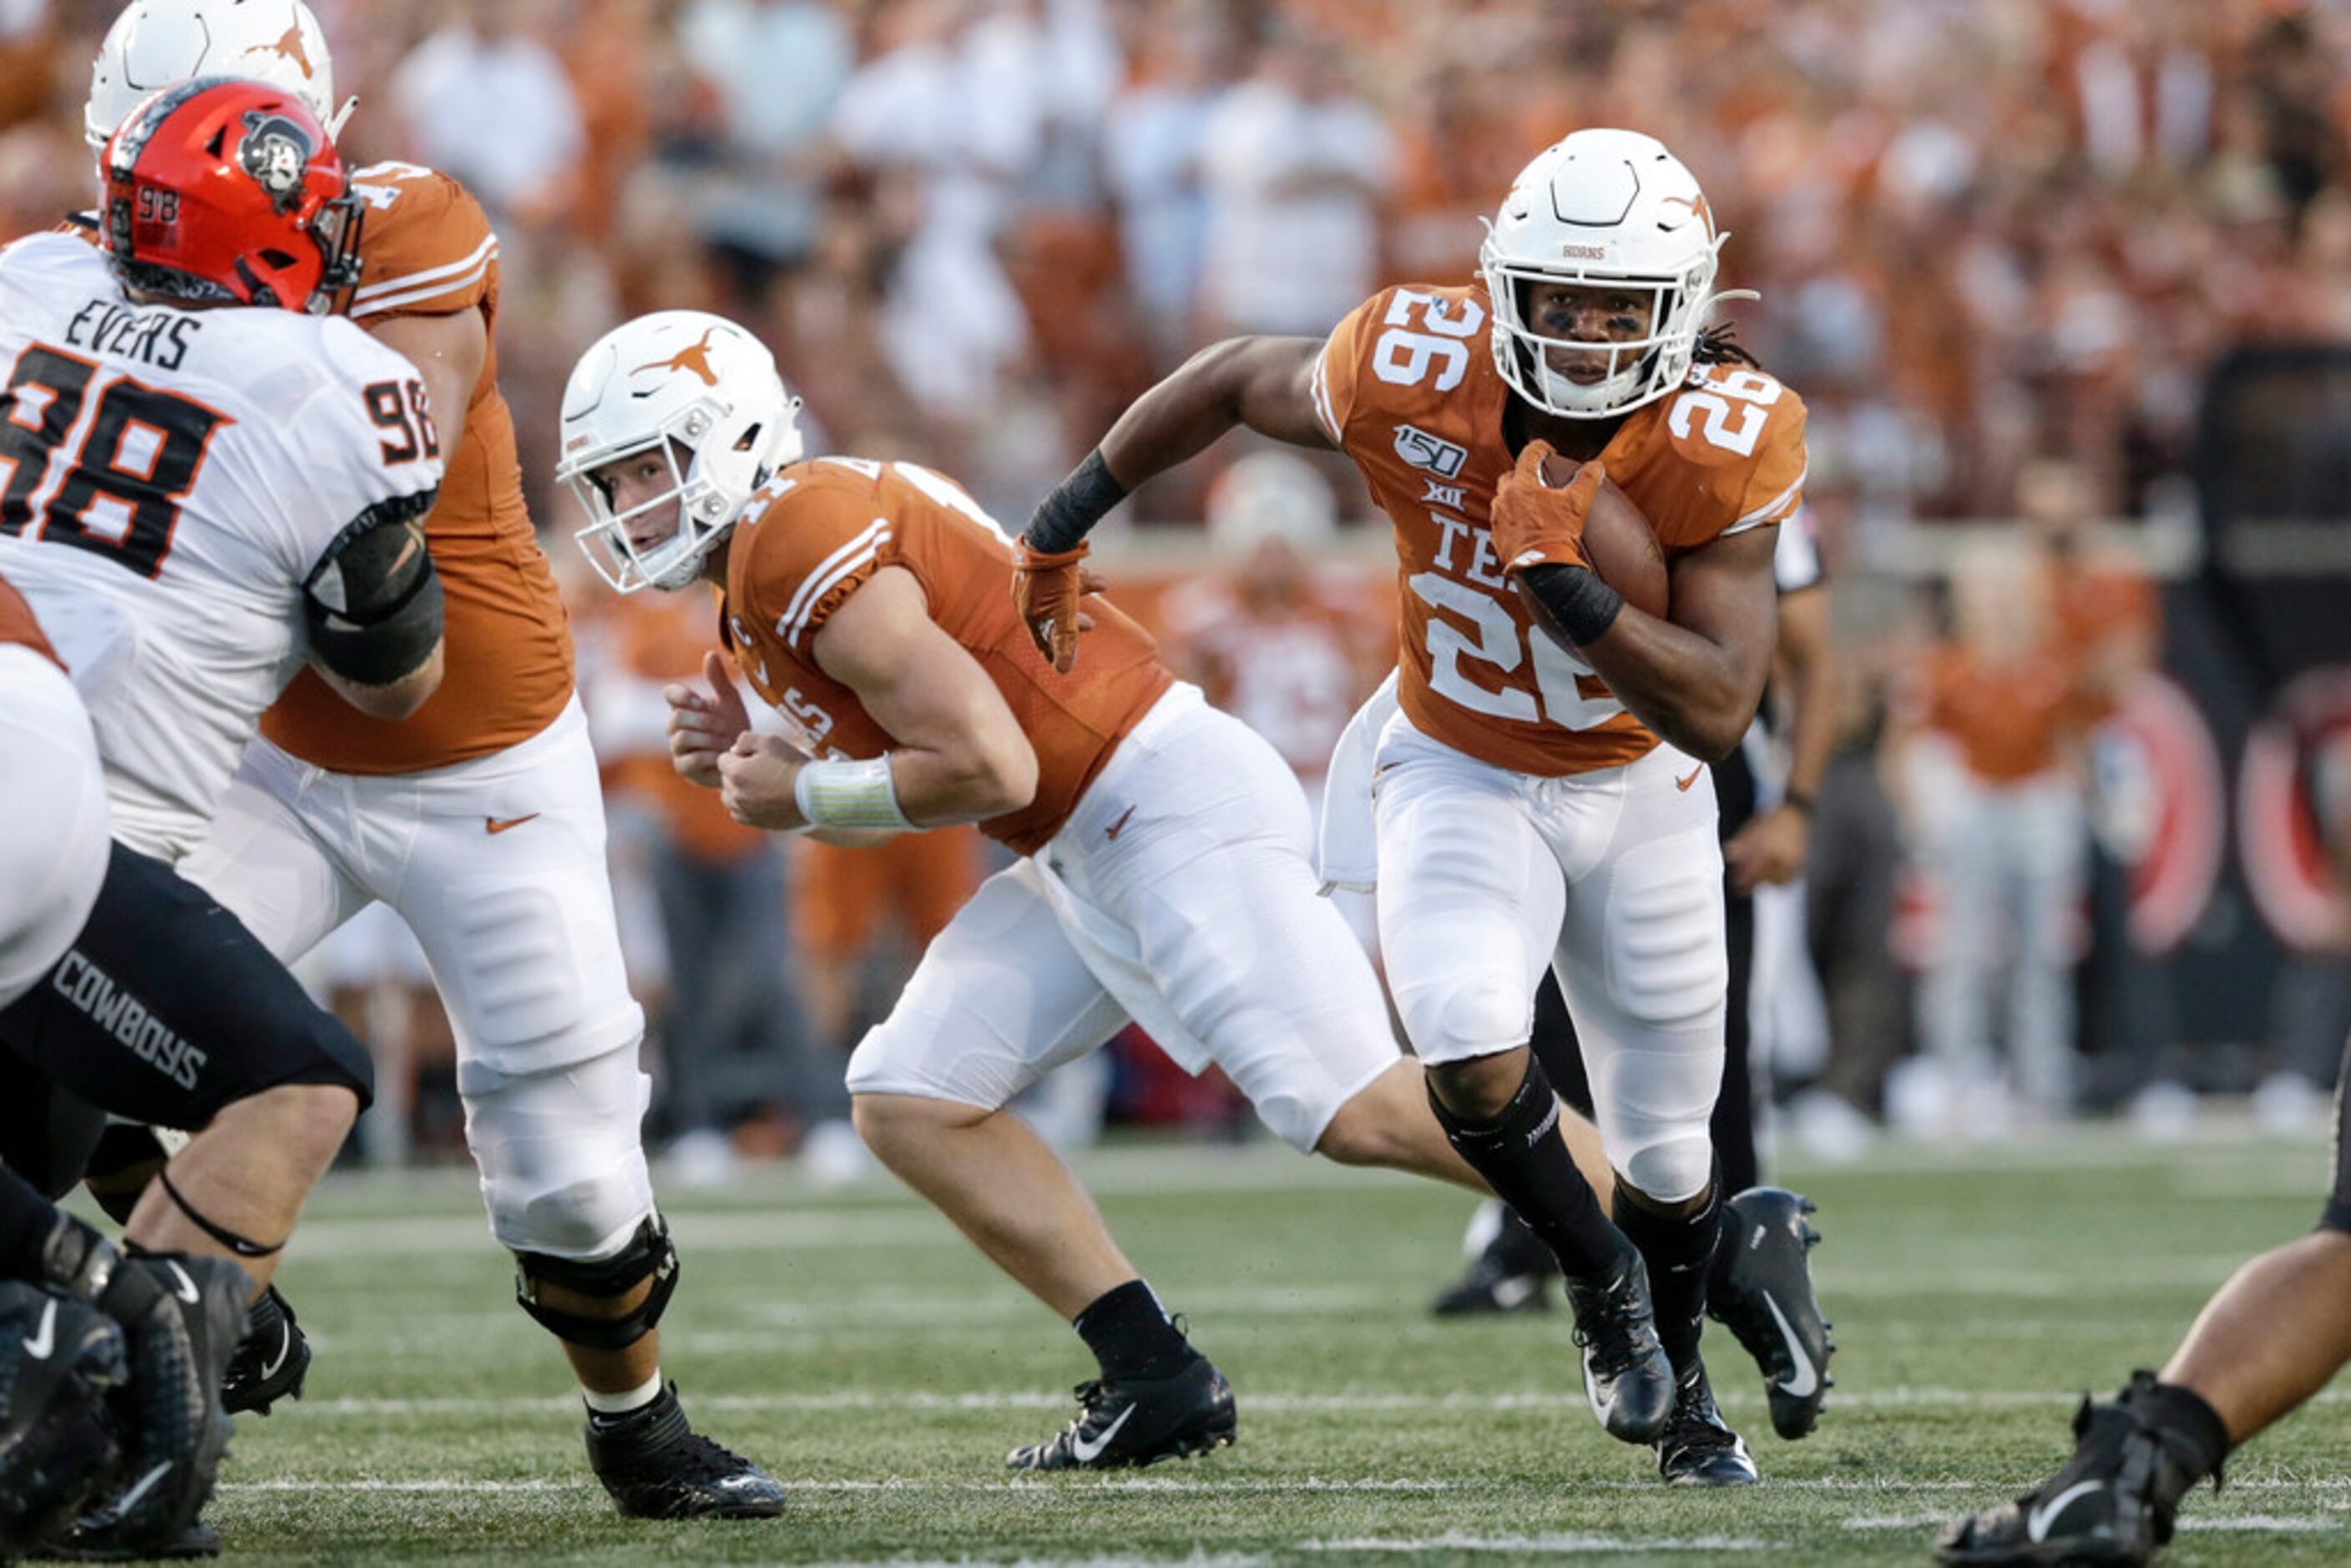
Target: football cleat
x=1130 y=1421
x=2114 y=1501
x=271 y=1360
x=1511 y=1273
x=656 y=1466
x=1627 y=1375
x=1699 y=1448
x=61 y=1361
x=1765 y=1298
x=182 y=1316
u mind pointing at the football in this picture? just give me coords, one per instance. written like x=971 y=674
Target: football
x=1623 y=547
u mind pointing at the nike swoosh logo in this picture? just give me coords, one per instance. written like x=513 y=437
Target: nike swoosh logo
x=45 y=1339
x=496 y=825
x=186 y=1289
x=1807 y=1379
x=285 y=1349
x=1110 y=832
x=2037 y=1522
x=1685 y=783
x=121 y=1507
x=1086 y=1453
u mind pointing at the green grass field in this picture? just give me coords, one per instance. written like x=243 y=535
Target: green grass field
x=854 y=1344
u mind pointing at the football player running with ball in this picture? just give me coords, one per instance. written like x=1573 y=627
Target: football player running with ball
x=1165 y=875
x=1542 y=796
x=479 y=819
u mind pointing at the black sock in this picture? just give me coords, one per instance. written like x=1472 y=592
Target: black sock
x=1523 y=1158
x=1518 y=1249
x=1130 y=1333
x=2190 y=1428
x=1680 y=1254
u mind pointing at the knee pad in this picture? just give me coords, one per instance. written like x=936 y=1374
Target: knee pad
x=648 y=1255
x=562 y=1153
x=1458 y=1017
x=1674 y=1169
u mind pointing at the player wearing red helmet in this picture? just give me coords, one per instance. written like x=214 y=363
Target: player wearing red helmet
x=197 y=503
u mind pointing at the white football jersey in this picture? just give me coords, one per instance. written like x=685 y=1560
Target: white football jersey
x=168 y=479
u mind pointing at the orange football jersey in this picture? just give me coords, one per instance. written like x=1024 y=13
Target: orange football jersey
x=1407 y=387
x=819 y=531
x=426 y=249
x=19 y=625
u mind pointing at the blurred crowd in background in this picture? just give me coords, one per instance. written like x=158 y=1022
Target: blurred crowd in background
x=1999 y=245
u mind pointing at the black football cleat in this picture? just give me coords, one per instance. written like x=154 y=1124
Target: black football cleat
x=1627 y=1375
x=1511 y=1273
x=182 y=1316
x=1698 y=1447
x=272 y=1360
x=1764 y=1297
x=1131 y=1421
x=2115 y=1501
x=656 y=1466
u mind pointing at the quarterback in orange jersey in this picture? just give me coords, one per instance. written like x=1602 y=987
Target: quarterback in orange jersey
x=479 y=819
x=1541 y=794
x=1165 y=875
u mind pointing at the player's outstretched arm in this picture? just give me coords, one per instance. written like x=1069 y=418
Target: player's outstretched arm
x=959 y=755
x=1696 y=678
x=1264 y=384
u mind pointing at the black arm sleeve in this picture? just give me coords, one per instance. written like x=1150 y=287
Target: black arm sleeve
x=372 y=604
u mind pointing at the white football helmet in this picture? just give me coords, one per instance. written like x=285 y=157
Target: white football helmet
x=154 y=43
x=1602 y=208
x=704 y=393
x=1271 y=495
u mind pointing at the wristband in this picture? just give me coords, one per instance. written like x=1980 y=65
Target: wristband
x=1581 y=605
x=1077 y=504
x=850 y=795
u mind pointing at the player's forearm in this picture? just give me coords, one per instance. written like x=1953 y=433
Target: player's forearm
x=968 y=783
x=1807 y=652
x=1695 y=693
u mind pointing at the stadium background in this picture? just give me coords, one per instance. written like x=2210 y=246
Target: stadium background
x=2065 y=285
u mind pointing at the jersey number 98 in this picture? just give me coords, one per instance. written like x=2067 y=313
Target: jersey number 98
x=118 y=494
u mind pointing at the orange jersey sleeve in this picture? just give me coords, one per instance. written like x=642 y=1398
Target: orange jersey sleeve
x=426 y=249
x=821 y=530
x=1407 y=385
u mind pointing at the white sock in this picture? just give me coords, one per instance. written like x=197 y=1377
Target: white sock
x=635 y=1399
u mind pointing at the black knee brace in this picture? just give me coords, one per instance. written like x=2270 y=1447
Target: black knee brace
x=649 y=1255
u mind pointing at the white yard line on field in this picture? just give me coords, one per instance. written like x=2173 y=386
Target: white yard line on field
x=1308 y=1486
x=1040 y=1399
x=1565 y=1545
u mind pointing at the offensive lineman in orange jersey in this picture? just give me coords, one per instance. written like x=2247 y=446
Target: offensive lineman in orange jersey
x=1165 y=875
x=479 y=819
x=1540 y=791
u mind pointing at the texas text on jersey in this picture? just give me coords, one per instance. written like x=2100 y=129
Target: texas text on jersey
x=1408 y=386
x=163 y=520
x=427 y=249
x=820 y=530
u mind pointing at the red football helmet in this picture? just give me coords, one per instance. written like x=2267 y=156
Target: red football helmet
x=223 y=189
